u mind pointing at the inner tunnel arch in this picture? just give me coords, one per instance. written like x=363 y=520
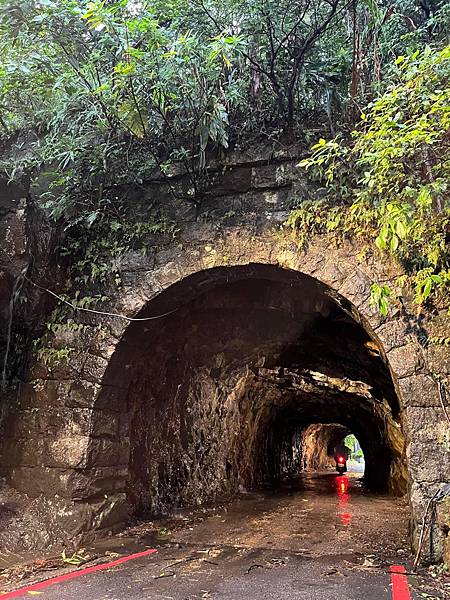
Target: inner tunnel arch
x=318 y=444
x=213 y=395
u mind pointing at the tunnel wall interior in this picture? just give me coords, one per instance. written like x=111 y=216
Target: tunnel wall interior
x=217 y=393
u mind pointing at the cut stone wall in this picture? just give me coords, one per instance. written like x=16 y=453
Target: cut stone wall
x=13 y=247
x=75 y=432
x=27 y=243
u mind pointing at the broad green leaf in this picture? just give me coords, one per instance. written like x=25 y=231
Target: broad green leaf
x=384 y=306
x=427 y=288
x=401 y=229
x=380 y=243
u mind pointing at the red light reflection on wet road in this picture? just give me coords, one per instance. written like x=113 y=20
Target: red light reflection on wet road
x=343 y=498
x=342 y=483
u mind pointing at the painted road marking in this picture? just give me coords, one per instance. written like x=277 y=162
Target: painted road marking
x=400 y=587
x=68 y=576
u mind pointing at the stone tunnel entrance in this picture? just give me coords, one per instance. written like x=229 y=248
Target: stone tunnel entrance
x=217 y=396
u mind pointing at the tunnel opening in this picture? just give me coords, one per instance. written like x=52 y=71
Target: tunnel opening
x=356 y=453
x=322 y=442
x=226 y=392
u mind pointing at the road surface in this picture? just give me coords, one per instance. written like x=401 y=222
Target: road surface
x=322 y=539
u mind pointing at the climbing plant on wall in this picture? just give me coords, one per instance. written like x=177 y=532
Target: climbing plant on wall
x=388 y=181
x=98 y=97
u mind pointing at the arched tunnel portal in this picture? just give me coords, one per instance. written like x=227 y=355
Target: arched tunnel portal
x=318 y=445
x=217 y=392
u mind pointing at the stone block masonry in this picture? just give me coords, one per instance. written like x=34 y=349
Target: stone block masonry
x=262 y=340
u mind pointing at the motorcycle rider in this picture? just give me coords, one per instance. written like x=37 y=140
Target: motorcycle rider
x=341 y=450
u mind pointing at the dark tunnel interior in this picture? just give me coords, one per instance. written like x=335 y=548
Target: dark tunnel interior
x=219 y=393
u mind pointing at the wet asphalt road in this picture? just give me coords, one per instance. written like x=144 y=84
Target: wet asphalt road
x=298 y=579
x=321 y=539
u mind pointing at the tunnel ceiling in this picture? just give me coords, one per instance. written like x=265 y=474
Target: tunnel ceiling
x=248 y=356
x=301 y=324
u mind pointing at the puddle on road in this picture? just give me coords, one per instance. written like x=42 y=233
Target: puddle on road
x=343 y=500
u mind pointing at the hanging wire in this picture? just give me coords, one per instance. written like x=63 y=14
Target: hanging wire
x=99 y=312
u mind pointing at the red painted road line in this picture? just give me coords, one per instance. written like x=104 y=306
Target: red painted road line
x=68 y=576
x=400 y=587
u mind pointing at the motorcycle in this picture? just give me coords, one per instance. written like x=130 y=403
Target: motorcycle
x=341 y=464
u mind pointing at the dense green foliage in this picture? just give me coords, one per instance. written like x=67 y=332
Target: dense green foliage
x=99 y=96
x=109 y=98
x=355 y=450
x=390 y=181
